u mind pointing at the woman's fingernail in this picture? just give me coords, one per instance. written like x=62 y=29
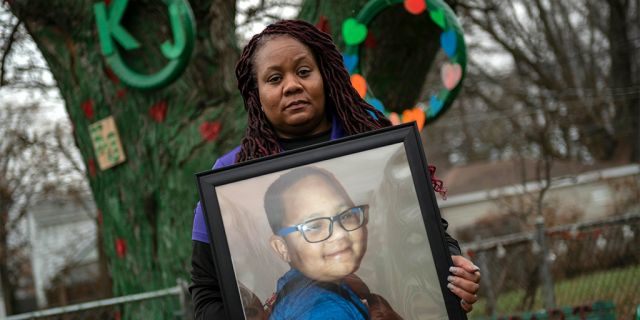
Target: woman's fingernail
x=476 y=268
x=450 y=278
x=453 y=269
x=450 y=286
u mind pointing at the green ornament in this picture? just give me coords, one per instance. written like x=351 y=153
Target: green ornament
x=438 y=17
x=353 y=32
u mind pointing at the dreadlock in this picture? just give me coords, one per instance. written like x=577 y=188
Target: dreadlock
x=342 y=100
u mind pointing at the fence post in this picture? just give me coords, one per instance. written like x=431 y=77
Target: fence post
x=185 y=300
x=548 y=293
x=486 y=284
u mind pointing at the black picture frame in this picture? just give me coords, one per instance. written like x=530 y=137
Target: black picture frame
x=428 y=255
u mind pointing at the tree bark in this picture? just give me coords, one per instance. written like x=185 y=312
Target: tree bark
x=147 y=201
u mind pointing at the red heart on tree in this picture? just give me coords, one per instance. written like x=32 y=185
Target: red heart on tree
x=99 y=216
x=158 y=111
x=370 y=41
x=121 y=93
x=209 y=130
x=121 y=247
x=112 y=76
x=92 y=167
x=87 y=107
x=323 y=25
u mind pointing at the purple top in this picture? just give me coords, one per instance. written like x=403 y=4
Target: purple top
x=200 y=231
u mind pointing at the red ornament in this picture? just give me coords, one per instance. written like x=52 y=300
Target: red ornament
x=92 y=167
x=112 y=76
x=209 y=130
x=121 y=93
x=121 y=247
x=323 y=25
x=415 y=6
x=158 y=111
x=107 y=2
x=370 y=42
x=87 y=107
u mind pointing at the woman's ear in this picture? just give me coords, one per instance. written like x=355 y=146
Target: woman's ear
x=279 y=245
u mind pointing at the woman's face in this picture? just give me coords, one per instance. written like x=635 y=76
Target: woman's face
x=290 y=87
x=334 y=258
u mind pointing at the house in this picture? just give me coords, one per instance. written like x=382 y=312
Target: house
x=483 y=199
x=62 y=235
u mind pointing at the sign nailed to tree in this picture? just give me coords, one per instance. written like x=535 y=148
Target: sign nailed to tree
x=178 y=52
x=106 y=143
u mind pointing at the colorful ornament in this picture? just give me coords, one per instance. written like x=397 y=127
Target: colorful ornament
x=353 y=32
x=451 y=75
x=438 y=17
x=416 y=114
x=415 y=6
x=350 y=61
x=449 y=43
x=394 y=118
x=360 y=84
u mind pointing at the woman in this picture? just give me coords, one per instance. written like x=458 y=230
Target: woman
x=297 y=92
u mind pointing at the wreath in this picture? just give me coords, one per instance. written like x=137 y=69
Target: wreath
x=452 y=71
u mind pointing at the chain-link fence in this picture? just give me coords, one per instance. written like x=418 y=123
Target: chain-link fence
x=568 y=270
x=170 y=303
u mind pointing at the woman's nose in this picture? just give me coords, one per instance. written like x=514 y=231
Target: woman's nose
x=292 y=85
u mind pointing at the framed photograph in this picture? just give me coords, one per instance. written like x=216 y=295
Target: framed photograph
x=347 y=229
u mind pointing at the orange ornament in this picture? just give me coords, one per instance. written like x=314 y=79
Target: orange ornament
x=360 y=84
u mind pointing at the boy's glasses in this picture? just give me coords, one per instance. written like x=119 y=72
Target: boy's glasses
x=320 y=229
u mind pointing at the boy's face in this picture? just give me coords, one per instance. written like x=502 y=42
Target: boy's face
x=329 y=260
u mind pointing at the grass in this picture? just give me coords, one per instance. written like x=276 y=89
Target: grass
x=622 y=286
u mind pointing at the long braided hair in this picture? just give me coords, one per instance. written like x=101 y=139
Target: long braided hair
x=341 y=99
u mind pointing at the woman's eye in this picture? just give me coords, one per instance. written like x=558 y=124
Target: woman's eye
x=272 y=79
x=304 y=72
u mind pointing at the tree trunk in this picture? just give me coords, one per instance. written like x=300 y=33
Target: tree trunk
x=625 y=91
x=146 y=202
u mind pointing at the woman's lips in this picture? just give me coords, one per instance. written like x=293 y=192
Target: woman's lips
x=297 y=105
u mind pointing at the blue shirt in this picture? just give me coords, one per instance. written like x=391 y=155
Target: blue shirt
x=307 y=299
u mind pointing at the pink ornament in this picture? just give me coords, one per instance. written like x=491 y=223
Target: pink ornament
x=451 y=75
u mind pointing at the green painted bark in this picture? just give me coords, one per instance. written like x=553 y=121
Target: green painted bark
x=148 y=200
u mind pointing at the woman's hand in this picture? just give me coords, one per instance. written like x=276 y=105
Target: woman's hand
x=464 y=281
